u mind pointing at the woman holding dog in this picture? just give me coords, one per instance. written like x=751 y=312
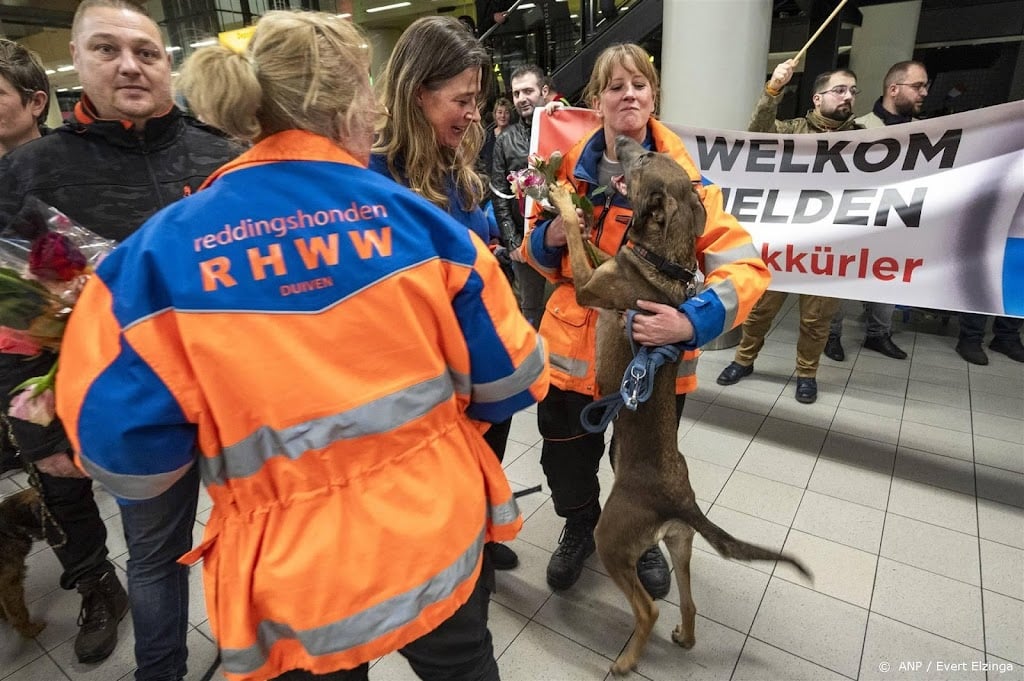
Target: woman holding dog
x=325 y=368
x=623 y=89
x=432 y=85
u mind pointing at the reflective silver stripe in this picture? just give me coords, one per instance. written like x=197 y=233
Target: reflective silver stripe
x=462 y=383
x=506 y=513
x=687 y=367
x=134 y=487
x=518 y=381
x=714 y=260
x=246 y=457
x=360 y=628
x=568 y=365
x=726 y=292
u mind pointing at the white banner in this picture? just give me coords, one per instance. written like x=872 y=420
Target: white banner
x=926 y=214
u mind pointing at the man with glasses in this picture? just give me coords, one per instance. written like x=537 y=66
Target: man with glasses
x=834 y=94
x=905 y=87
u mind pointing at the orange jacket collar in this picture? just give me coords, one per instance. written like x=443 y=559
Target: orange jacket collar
x=85 y=113
x=290 y=145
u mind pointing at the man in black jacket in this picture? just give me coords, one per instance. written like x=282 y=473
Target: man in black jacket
x=530 y=90
x=125 y=153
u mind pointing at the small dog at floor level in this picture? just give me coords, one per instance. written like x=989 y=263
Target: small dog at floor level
x=651 y=498
x=20 y=524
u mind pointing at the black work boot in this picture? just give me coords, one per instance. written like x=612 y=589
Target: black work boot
x=652 y=569
x=574 y=546
x=104 y=604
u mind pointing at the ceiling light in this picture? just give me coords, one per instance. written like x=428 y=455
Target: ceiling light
x=50 y=72
x=62 y=89
x=384 y=8
x=65 y=68
x=527 y=5
x=77 y=87
x=344 y=15
x=204 y=43
x=173 y=48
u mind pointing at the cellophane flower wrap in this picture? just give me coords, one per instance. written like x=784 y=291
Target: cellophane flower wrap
x=539 y=174
x=536 y=179
x=45 y=260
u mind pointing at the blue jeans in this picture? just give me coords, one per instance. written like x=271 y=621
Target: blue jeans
x=158 y=532
x=972 y=328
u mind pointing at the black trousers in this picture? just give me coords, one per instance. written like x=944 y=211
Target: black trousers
x=80 y=541
x=570 y=455
x=460 y=649
x=497 y=437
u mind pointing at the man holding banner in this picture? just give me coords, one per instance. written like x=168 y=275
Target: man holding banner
x=905 y=87
x=834 y=94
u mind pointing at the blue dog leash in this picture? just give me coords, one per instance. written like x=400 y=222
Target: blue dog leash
x=637 y=381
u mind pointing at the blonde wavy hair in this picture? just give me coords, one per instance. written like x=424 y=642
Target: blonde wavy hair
x=301 y=70
x=430 y=52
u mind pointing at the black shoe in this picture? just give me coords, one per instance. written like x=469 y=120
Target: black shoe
x=574 y=546
x=733 y=373
x=834 y=349
x=652 y=569
x=104 y=604
x=502 y=557
x=806 y=390
x=884 y=345
x=1012 y=348
x=972 y=352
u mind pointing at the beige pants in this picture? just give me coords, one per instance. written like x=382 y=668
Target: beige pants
x=815 y=315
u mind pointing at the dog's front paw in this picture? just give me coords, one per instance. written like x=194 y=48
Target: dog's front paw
x=31 y=629
x=679 y=637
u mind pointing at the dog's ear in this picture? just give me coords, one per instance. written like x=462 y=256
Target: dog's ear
x=684 y=213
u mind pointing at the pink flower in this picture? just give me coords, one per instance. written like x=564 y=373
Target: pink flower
x=14 y=342
x=38 y=409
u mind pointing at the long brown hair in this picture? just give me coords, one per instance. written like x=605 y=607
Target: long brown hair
x=430 y=52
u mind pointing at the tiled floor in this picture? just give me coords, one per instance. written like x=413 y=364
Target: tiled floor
x=902 y=488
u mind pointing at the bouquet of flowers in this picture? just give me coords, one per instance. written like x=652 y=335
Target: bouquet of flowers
x=45 y=261
x=537 y=179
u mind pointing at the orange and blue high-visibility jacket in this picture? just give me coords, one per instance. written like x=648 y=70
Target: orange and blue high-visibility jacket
x=320 y=342
x=734 y=274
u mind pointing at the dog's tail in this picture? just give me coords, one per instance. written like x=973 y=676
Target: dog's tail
x=730 y=547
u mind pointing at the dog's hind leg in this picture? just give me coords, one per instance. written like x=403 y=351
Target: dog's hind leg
x=679 y=541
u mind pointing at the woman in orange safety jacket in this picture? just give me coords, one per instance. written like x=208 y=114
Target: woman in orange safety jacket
x=322 y=344
x=623 y=89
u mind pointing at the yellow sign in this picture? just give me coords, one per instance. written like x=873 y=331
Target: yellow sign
x=236 y=40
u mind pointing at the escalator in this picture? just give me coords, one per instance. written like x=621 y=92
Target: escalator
x=639 y=22
x=545 y=35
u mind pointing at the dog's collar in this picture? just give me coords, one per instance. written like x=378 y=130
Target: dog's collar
x=663 y=265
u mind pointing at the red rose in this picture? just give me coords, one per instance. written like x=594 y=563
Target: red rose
x=55 y=257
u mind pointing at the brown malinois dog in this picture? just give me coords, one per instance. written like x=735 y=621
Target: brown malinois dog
x=651 y=498
x=20 y=524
